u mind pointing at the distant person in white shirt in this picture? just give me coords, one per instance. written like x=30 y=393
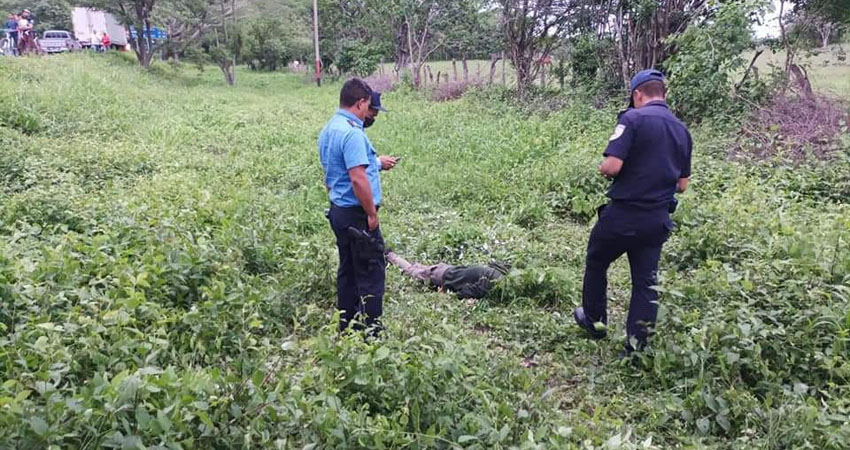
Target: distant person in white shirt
x=95 y=42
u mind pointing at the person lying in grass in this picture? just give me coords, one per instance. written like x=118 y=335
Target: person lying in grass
x=465 y=281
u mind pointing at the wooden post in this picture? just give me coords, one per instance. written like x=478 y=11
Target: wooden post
x=504 y=77
x=439 y=75
x=454 y=67
x=465 y=65
x=318 y=66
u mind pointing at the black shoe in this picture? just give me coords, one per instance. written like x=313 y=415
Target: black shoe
x=584 y=322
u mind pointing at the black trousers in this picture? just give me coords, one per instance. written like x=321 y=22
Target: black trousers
x=640 y=234
x=361 y=278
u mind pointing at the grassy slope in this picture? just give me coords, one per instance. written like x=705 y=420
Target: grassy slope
x=169 y=276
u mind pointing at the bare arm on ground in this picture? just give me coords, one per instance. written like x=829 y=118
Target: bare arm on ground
x=418 y=271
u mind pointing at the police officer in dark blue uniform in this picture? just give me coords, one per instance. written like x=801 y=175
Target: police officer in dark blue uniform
x=649 y=159
x=351 y=167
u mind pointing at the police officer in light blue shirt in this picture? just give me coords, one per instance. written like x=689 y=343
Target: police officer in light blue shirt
x=351 y=167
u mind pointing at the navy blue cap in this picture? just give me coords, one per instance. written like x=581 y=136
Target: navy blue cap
x=642 y=77
x=376 y=102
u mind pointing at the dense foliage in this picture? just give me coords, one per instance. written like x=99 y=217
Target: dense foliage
x=166 y=279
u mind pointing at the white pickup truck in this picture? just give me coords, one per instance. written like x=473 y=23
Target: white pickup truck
x=57 y=41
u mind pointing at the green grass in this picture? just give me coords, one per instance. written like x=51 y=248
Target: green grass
x=167 y=278
x=827 y=73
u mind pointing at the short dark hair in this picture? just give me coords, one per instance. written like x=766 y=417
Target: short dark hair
x=352 y=91
x=653 y=89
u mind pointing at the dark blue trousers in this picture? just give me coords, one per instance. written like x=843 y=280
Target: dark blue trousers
x=360 y=280
x=640 y=234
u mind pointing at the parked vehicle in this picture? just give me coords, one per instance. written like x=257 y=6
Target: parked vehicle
x=88 y=21
x=57 y=41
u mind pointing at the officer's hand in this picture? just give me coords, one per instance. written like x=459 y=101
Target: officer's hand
x=372 y=221
x=388 y=162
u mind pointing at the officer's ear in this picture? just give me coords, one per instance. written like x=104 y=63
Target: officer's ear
x=364 y=103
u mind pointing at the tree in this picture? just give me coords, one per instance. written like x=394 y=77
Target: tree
x=426 y=24
x=265 y=45
x=222 y=43
x=533 y=28
x=706 y=55
x=346 y=24
x=138 y=14
x=186 y=20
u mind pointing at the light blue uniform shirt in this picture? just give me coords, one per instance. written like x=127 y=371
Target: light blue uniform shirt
x=342 y=146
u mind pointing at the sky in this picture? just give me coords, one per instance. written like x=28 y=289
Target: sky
x=770 y=22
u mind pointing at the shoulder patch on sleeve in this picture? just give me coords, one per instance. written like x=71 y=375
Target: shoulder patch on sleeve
x=618 y=131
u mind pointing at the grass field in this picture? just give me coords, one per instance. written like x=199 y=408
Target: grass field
x=167 y=278
x=478 y=69
x=827 y=73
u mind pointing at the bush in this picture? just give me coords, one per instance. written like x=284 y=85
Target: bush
x=357 y=58
x=795 y=128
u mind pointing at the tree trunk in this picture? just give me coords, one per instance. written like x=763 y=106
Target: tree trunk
x=825 y=30
x=621 y=49
x=454 y=67
x=494 y=59
x=789 y=50
x=543 y=75
x=416 y=70
x=439 y=75
x=523 y=75
x=226 y=66
x=465 y=69
x=562 y=73
x=802 y=79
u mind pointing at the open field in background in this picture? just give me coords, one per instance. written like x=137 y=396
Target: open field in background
x=167 y=278
x=446 y=67
x=827 y=73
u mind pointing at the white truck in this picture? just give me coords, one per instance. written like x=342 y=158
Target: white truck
x=87 y=22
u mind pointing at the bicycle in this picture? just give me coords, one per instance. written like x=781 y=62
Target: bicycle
x=7 y=44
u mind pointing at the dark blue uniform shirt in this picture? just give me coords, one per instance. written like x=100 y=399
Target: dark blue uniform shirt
x=655 y=147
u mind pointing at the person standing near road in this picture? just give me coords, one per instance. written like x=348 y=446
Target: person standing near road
x=105 y=42
x=649 y=159
x=26 y=37
x=12 y=28
x=351 y=168
x=95 y=42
